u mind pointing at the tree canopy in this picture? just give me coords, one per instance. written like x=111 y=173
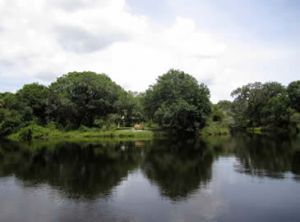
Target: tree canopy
x=294 y=94
x=258 y=104
x=80 y=97
x=34 y=98
x=178 y=102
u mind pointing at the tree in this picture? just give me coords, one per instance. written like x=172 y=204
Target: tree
x=130 y=108
x=225 y=105
x=12 y=114
x=80 y=97
x=34 y=97
x=258 y=104
x=294 y=94
x=178 y=102
x=10 y=120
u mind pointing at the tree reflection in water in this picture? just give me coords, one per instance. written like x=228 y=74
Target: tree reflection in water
x=178 y=167
x=78 y=170
x=267 y=156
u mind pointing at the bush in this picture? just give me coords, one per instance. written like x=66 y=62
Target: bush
x=10 y=120
x=25 y=134
x=111 y=122
x=214 y=129
x=34 y=131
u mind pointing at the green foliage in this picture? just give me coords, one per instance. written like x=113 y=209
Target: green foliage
x=11 y=114
x=75 y=99
x=294 y=94
x=34 y=131
x=295 y=120
x=82 y=97
x=9 y=101
x=34 y=97
x=225 y=105
x=178 y=102
x=214 y=129
x=258 y=104
x=112 y=121
x=129 y=109
x=217 y=114
x=10 y=120
x=219 y=121
x=40 y=133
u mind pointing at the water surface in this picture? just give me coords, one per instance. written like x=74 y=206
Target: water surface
x=238 y=178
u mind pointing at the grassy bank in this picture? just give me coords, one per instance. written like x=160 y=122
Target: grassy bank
x=292 y=130
x=35 y=132
x=215 y=129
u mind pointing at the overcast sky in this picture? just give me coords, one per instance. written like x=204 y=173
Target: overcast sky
x=223 y=43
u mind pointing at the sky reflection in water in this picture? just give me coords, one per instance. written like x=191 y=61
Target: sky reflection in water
x=239 y=178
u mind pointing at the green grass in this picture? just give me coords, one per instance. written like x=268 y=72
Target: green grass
x=255 y=130
x=37 y=132
x=215 y=129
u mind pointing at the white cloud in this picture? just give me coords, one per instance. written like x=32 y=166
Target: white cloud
x=42 y=39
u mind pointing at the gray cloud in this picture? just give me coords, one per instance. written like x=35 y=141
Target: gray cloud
x=207 y=81
x=74 y=5
x=46 y=76
x=36 y=39
x=5 y=64
x=78 y=40
x=203 y=56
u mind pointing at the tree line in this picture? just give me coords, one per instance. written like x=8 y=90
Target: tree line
x=175 y=102
x=268 y=105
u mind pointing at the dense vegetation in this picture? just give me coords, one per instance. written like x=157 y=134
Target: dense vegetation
x=73 y=100
x=176 y=102
x=269 y=105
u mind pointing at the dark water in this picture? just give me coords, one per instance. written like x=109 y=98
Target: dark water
x=239 y=178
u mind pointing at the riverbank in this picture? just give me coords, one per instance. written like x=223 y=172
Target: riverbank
x=215 y=129
x=272 y=130
x=35 y=132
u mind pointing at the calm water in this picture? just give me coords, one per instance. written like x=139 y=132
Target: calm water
x=240 y=178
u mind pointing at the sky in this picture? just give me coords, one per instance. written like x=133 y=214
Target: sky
x=222 y=43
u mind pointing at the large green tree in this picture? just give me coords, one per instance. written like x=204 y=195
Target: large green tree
x=81 y=97
x=178 y=102
x=258 y=104
x=34 y=98
x=294 y=94
x=10 y=114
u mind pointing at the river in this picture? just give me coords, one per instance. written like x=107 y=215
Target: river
x=236 y=178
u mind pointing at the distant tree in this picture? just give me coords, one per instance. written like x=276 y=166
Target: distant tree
x=258 y=104
x=225 y=105
x=129 y=106
x=294 y=94
x=178 y=102
x=138 y=111
x=218 y=114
